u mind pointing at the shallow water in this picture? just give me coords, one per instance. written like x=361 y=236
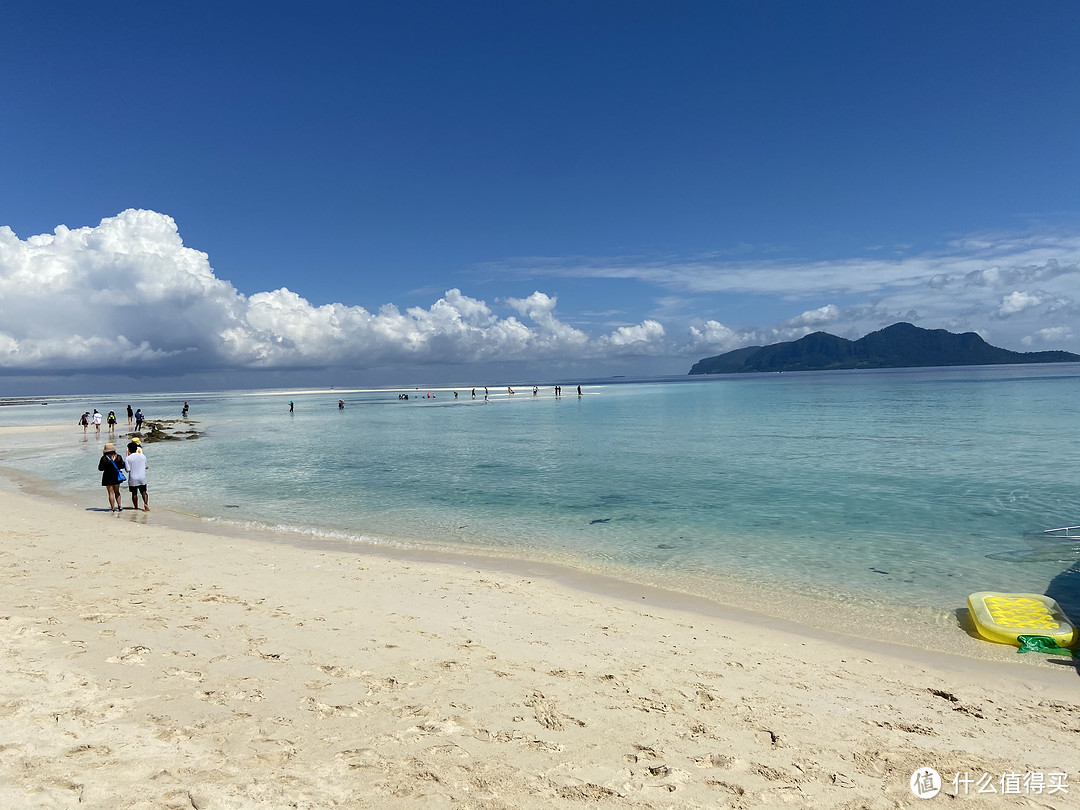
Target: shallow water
x=903 y=487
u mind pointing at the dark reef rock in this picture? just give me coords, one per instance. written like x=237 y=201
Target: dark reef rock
x=166 y=430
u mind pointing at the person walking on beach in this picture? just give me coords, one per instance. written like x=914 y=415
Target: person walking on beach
x=111 y=419
x=183 y=412
x=131 y=414
x=579 y=390
x=96 y=419
x=84 y=420
x=290 y=406
x=138 y=420
x=110 y=465
x=135 y=465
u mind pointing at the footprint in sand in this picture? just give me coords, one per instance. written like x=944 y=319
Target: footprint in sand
x=131 y=656
x=545 y=711
x=354 y=758
x=338 y=672
x=176 y=672
x=326 y=710
x=223 y=697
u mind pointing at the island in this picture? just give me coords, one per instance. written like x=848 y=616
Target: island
x=902 y=345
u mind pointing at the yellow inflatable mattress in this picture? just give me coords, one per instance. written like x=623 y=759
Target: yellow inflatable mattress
x=1002 y=617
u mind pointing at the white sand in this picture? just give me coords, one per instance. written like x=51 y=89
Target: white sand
x=147 y=667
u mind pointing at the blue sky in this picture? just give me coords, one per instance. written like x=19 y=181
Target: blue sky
x=600 y=187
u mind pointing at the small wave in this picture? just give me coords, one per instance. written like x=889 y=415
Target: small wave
x=1052 y=537
x=1064 y=553
x=286 y=528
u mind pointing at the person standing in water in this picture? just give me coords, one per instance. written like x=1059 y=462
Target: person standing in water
x=184 y=411
x=138 y=419
x=131 y=415
x=290 y=406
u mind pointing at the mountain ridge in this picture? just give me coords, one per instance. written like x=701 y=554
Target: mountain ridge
x=901 y=345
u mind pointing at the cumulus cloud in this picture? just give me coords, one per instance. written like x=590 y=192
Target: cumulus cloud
x=645 y=338
x=1017 y=301
x=128 y=295
x=714 y=335
x=814 y=318
x=1056 y=334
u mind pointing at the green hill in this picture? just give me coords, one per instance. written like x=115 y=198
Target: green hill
x=901 y=345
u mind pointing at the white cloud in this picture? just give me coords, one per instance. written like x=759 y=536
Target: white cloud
x=1017 y=301
x=126 y=293
x=1055 y=334
x=645 y=338
x=714 y=336
x=815 y=318
x=985 y=262
x=127 y=296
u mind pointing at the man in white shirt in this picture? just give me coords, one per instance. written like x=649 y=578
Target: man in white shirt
x=135 y=465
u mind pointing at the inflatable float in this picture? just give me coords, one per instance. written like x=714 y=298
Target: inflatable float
x=1004 y=617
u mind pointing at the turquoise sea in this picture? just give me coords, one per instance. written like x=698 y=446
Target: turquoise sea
x=897 y=487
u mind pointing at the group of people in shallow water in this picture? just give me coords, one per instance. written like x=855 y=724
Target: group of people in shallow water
x=509 y=390
x=95 y=419
x=557 y=390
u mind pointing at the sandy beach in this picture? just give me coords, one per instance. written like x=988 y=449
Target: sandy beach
x=146 y=666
